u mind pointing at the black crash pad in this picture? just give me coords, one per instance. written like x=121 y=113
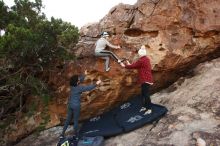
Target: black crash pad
x=104 y=125
x=123 y=118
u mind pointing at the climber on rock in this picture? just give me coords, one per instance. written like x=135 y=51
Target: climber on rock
x=74 y=102
x=100 y=51
x=145 y=77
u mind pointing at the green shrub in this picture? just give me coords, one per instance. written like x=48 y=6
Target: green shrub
x=30 y=46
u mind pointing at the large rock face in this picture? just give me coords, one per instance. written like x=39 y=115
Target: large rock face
x=193 y=117
x=194 y=113
x=180 y=34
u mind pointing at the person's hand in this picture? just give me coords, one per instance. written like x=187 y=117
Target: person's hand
x=128 y=63
x=86 y=72
x=98 y=82
x=122 y=64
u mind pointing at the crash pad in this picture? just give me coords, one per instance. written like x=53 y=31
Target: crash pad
x=124 y=118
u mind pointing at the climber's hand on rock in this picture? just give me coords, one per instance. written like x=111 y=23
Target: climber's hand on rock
x=128 y=63
x=86 y=72
x=98 y=82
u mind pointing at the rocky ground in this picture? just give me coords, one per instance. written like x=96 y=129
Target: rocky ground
x=193 y=118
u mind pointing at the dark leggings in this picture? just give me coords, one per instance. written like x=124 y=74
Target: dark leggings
x=145 y=95
x=105 y=53
x=72 y=112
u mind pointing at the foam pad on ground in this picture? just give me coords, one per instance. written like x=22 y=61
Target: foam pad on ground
x=124 y=118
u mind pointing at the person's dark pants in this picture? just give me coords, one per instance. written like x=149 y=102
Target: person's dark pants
x=75 y=113
x=145 y=95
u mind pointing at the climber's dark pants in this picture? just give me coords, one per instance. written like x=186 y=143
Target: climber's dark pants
x=145 y=95
x=75 y=113
x=104 y=54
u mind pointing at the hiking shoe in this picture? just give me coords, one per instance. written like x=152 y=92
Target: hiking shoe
x=143 y=109
x=149 y=111
x=75 y=138
x=119 y=61
x=62 y=137
x=107 y=69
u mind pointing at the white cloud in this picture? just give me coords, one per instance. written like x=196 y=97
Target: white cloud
x=79 y=12
x=82 y=11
